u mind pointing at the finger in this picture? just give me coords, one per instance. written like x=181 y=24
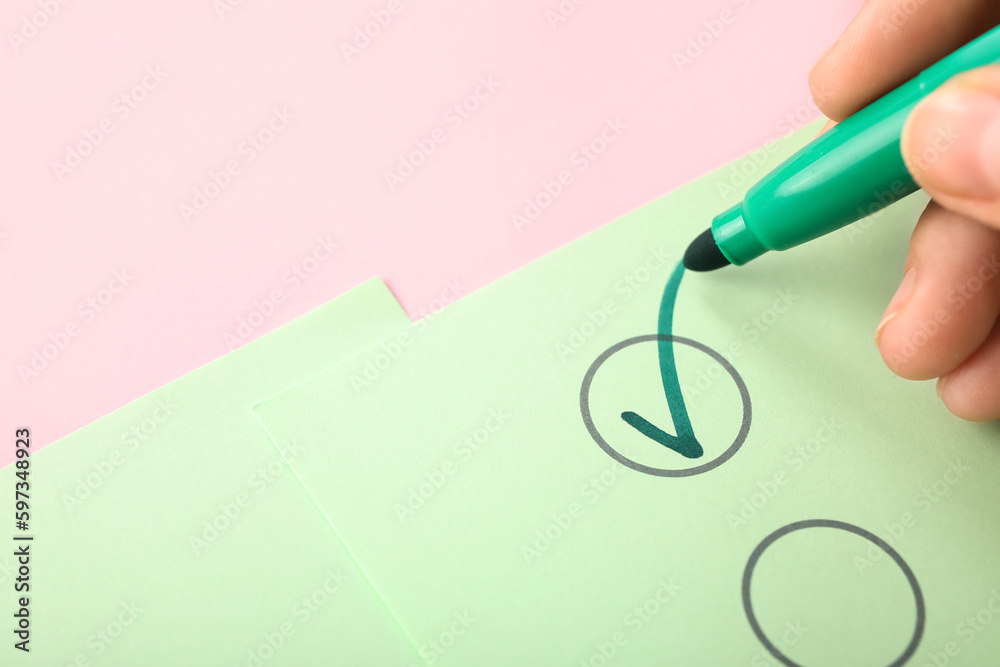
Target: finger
x=830 y=124
x=951 y=144
x=888 y=43
x=948 y=300
x=972 y=391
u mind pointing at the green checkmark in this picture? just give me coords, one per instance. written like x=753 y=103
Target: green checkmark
x=684 y=442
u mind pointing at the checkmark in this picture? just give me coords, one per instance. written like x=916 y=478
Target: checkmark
x=684 y=442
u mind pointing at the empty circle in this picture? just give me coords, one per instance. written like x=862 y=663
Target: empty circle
x=588 y=420
x=918 y=631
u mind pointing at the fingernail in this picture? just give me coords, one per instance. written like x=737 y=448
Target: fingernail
x=940 y=388
x=952 y=143
x=898 y=301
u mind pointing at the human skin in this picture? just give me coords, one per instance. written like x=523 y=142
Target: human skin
x=944 y=321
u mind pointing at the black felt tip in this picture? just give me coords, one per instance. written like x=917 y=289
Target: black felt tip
x=704 y=255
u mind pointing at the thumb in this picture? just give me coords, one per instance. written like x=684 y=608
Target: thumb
x=951 y=144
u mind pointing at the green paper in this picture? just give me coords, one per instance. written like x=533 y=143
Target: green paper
x=171 y=532
x=684 y=442
x=455 y=462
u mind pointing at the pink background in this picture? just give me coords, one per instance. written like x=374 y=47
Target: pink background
x=446 y=228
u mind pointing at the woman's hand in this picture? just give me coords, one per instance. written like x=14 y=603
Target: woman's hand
x=944 y=321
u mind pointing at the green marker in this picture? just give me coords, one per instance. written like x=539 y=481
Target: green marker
x=844 y=175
